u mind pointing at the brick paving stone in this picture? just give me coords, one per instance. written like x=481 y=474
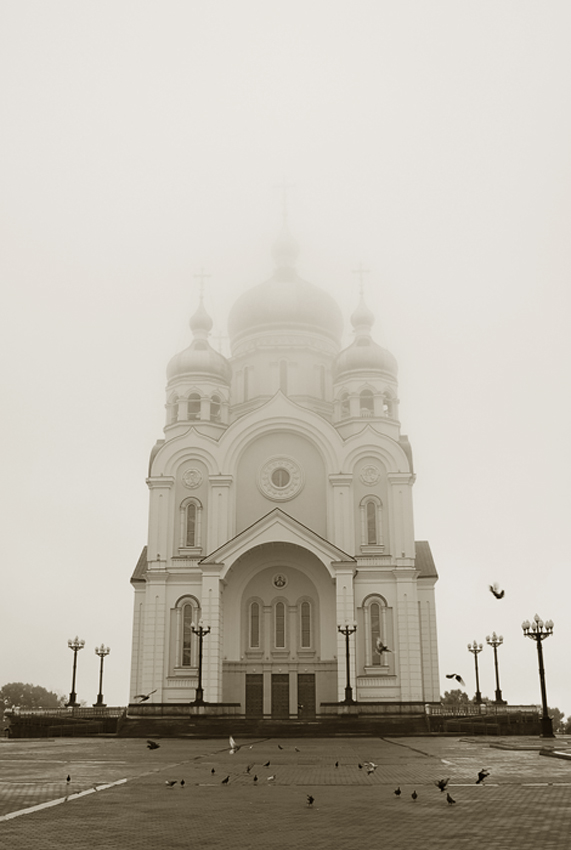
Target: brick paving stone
x=350 y=809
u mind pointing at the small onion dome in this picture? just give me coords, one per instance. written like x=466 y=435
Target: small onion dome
x=362 y=319
x=200 y=322
x=199 y=359
x=365 y=354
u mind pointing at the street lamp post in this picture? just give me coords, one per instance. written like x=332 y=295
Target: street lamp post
x=201 y=632
x=347 y=631
x=101 y=651
x=75 y=645
x=494 y=641
x=538 y=631
x=475 y=648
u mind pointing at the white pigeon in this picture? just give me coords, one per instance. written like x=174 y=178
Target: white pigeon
x=371 y=767
x=233 y=746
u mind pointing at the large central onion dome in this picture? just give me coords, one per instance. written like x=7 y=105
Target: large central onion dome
x=285 y=301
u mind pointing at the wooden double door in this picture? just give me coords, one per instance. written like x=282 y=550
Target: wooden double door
x=280 y=695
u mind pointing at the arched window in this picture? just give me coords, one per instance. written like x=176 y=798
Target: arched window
x=190 y=524
x=194 y=406
x=366 y=403
x=345 y=407
x=379 y=646
x=254 y=636
x=305 y=623
x=186 y=642
x=371 y=521
x=215 y=408
x=283 y=376
x=279 y=626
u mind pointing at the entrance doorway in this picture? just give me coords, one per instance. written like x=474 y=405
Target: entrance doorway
x=254 y=694
x=306 y=696
x=280 y=695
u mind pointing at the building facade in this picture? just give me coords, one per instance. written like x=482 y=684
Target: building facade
x=281 y=510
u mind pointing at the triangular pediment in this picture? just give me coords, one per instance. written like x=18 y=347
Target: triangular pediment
x=276 y=527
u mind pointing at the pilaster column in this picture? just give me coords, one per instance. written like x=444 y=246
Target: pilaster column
x=154 y=635
x=160 y=533
x=341 y=519
x=401 y=517
x=211 y=613
x=219 y=527
x=345 y=613
x=408 y=635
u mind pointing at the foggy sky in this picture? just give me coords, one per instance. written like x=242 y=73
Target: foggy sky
x=144 y=141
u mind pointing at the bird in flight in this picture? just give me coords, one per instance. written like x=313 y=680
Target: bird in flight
x=170 y=782
x=272 y=777
x=442 y=783
x=152 y=745
x=398 y=792
x=482 y=775
x=310 y=800
x=458 y=678
x=449 y=799
x=371 y=767
x=414 y=795
x=233 y=745
x=380 y=647
x=280 y=747
x=145 y=697
x=495 y=589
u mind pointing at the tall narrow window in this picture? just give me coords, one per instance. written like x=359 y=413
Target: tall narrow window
x=375 y=614
x=186 y=658
x=305 y=624
x=255 y=625
x=215 y=408
x=283 y=376
x=194 y=406
x=191 y=524
x=345 y=407
x=371 y=524
x=279 y=614
x=366 y=403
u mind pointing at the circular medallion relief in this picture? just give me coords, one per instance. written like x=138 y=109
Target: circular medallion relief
x=370 y=474
x=192 y=478
x=280 y=478
x=279 y=580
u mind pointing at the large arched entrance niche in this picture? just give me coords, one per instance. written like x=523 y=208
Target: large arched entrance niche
x=279 y=631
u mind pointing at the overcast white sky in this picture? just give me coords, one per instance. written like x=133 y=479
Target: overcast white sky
x=143 y=141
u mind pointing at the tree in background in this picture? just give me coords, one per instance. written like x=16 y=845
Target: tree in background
x=29 y=696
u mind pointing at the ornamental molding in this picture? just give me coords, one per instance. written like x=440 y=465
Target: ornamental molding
x=192 y=478
x=281 y=478
x=370 y=474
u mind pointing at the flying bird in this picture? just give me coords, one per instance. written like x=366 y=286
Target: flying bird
x=270 y=778
x=442 y=783
x=398 y=792
x=414 y=795
x=449 y=799
x=495 y=589
x=233 y=745
x=458 y=678
x=482 y=775
x=145 y=697
x=371 y=767
x=152 y=745
x=225 y=781
x=170 y=782
x=380 y=647
x=310 y=800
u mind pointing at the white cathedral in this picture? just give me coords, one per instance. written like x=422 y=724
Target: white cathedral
x=281 y=521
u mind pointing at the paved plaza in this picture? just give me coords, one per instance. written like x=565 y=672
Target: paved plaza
x=118 y=796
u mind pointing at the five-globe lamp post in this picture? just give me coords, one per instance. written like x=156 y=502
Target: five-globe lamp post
x=101 y=651
x=475 y=648
x=494 y=641
x=201 y=632
x=75 y=645
x=538 y=631
x=347 y=631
